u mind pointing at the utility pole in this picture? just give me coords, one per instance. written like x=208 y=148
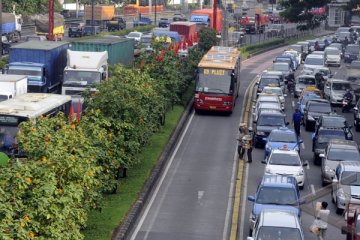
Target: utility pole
x=92 y=17
x=1 y=45
x=77 y=9
x=51 y=20
x=224 y=34
x=155 y=11
x=215 y=13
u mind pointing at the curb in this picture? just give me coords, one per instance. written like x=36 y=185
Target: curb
x=123 y=231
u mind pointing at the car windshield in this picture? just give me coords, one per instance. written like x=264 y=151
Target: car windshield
x=269 y=120
x=278 y=233
x=338 y=46
x=282 y=159
x=306 y=80
x=269 y=82
x=324 y=72
x=341 y=86
x=297 y=48
x=333 y=52
x=343 y=154
x=83 y=78
x=281 y=67
x=276 y=196
x=314 y=61
x=133 y=35
x=33 y=73
x=335 y=122
x=350 y=178
x=325 y=136
x=320 y=108
x=344 y=34
x=214 y=81
x=353 y=49
x=282 y=136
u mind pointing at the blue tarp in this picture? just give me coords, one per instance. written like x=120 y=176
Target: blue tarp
x=171 y=34
x=8 y=27
x=199 y=18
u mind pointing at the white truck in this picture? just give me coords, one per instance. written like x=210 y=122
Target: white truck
x=12 y=85
x=84 y=70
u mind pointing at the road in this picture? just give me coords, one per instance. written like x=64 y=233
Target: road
x=313 y=175
x=192 y=198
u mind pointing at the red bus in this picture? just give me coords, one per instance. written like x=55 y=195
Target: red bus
x=218 y=80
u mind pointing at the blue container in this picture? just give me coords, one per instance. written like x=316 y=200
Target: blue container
x=8 y=27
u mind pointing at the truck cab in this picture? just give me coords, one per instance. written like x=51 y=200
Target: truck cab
x=84 y=70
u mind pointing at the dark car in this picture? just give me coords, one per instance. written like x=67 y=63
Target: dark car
x=76 y=30
x=351 y=53
x=321 y=138
x=334 y=121
x=91 y=30
x=267 y=120
x=179 y=17
x=6 y=44
x=116 y=24
x=164 y=22
x=313 y=110
x=268 y=81
x=66 y=13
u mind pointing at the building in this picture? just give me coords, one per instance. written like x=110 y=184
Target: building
x=337 y=15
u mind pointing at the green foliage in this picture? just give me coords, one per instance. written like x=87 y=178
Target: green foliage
x=298 y=11
x=207 y=39
x=26 y=7
x=3 y=62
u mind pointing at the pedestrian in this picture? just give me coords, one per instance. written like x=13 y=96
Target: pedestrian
x=297 y=121
x=322 y=219
x=245 y=142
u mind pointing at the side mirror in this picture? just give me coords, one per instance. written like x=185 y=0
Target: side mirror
x=321 y=155
x=287 y=123
x=356 y=109
x=335 y=180
x=300 y=141
x=328 y=87
x=251 y=130
x=251 y=198
x=305 y=163
x=249 y=238
x=255 y=121
x=285 y=95
x=257 y=83
x=302 y=201
x=264 y=161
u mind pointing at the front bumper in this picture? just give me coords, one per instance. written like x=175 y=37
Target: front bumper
x=260 y=139
x=328 y=176
x=332 y=62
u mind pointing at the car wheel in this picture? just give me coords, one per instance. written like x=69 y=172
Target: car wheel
x=316 y=160
x=307 y=125
x=323 y=183
x=339 y=211
x=301 y=187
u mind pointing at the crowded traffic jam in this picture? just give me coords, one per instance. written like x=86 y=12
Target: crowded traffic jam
x=305 y=119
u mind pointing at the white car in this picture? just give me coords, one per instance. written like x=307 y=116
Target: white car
x=135 y=35
x=265 y=106
x=332 y=56
x=295 y=54
x=314 y=61
x=276 y=91
x=286 y=162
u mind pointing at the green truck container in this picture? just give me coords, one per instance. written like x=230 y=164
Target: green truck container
x=120 y=50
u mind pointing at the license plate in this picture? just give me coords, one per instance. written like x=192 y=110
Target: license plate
x=212 y=107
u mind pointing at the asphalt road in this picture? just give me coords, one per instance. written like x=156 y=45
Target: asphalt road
x=312 y=180
x=192 y=199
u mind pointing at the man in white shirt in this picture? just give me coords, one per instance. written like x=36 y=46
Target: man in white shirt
x=322 y=217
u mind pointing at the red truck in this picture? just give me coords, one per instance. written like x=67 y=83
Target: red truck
x=185 y=29
x=205 y=17
x=352 y=217
x=255 y=24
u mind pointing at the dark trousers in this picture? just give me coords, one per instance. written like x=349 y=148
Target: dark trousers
x=249 y=155
x=297 y=128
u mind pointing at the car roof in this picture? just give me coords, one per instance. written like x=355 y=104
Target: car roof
x=283 y=129
x=314 y=56
x=352 y=45
x=319 y=101
x=272 y=88
x=331 y=48
x=272 y=72
x=281 y=63
x=337 y=80
x=271 y=112
x=279 y=218
x=306 y=76
x=351 y=165
x=285 y=152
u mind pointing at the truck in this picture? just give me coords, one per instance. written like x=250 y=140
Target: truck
x=83 y=70
x=185 y=29
x=116 y=23
x=102 y=15
x=42 y=61
x=12 y=86
x=256 y=23
x=205 y=18
x=42 y=26
x=11 y=26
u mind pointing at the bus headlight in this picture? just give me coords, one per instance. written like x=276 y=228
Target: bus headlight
x=199 y=101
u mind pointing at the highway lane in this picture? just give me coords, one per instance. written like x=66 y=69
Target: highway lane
x=192 y=198
x=313 y=174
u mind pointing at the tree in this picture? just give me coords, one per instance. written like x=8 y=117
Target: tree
x=298 y=11
x=26 y=7
x=207 y=39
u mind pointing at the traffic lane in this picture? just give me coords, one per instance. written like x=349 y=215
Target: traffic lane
x=191 y=201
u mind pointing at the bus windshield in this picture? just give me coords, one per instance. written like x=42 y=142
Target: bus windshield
x=82 y=78
x=33 y=73
x=215 y=81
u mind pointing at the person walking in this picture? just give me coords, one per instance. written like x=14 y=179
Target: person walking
x=297 y=121
x=245 y=142
x=322 y=220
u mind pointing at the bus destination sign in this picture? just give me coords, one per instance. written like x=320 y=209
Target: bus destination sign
x=8 y=120
x=218 y=72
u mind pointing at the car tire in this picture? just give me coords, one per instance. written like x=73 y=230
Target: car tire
x=339 y=211
x=316 y=160
x=301 y=187
x=307 y=125
x=323 y=183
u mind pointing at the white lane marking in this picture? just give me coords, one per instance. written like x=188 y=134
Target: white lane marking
x=302 y=145
x=293 y=103
x=308 y=165
x=147 y=209
x=312 y=189
x=200 y=196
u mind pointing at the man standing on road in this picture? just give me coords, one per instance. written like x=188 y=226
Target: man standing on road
x=297 y=121
x=322 y=219
x=245 y=142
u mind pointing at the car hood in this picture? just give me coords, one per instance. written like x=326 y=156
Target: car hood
x=301 y=86
x=351 y=53
x=284 y=170
x=259 y=207
x=317 y=114
x=354 y=191
x=332 y=164
x=266 y=129
x=278 y=145
x=338 y=93
x=333 y=56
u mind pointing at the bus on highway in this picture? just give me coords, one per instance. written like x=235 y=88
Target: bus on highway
x=28 y=106
x=218 y=80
